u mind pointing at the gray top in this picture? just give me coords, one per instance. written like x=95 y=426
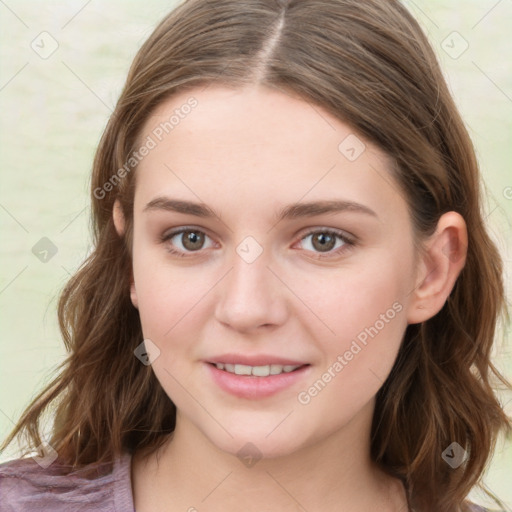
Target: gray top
x=25 y=486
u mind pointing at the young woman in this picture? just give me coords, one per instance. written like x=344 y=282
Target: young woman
x=292 y=299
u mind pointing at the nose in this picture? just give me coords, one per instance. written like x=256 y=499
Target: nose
x=251 y=296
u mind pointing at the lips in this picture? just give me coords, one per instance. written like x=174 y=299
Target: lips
x=255 y=377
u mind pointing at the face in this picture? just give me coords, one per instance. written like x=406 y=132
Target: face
x=273 y=264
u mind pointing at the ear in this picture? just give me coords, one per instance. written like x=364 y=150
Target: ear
x=438 y=268
x=119 y=224
x=118 y=217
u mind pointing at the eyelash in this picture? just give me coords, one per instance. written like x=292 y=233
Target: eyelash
x=348 y=242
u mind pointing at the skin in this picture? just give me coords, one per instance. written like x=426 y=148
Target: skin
x=247 y=154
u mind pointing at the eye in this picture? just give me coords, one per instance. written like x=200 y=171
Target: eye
x=187 y=240
x=327 y=241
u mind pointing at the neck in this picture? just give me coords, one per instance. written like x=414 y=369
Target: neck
x=336 y=473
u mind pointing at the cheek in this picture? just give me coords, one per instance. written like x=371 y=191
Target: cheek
x=366 y=304
x=170 y=297
x=165 y=299
x=366 y=310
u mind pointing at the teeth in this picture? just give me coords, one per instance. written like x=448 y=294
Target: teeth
x=257 y=371
x=242 y=369
x=275 y=369
x=261 y=371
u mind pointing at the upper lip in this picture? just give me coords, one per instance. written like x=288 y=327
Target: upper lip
x=254 y=360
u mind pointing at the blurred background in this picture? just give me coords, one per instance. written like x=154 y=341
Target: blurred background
x=63 y=65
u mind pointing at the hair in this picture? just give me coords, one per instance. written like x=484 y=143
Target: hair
x=371 y=66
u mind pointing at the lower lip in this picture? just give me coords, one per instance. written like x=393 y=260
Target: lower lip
x=249 y=386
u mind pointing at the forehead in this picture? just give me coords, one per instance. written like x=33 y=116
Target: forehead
x=257 y=147
x=216 y=114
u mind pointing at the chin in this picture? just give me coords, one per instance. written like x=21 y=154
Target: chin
x=257 y=443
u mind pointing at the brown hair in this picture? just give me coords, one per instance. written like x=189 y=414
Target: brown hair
x=370 y=65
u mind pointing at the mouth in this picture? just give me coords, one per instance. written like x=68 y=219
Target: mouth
x=257 y=380
x=257 y=371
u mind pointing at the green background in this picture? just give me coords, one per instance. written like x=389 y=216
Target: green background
x=54 y=109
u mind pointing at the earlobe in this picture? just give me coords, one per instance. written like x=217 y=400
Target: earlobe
x=439 y=266
x=118 y=217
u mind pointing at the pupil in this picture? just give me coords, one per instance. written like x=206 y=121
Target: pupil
x=192 y=240
x=325 y=241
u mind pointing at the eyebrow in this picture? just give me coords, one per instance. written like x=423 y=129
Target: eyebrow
x=290 y=212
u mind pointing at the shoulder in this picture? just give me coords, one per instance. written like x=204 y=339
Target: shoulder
x=25 y=486
x=473 y=507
